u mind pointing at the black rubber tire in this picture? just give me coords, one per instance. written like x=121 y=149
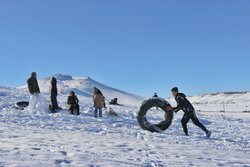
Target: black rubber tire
x=154 y=102
x=21 y=105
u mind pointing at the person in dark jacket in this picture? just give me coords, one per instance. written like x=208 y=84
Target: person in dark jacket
x=155 y=95
x=73 y=103
x=33 y=84
x=114 y=101
x=189 y=112
x=53 y=97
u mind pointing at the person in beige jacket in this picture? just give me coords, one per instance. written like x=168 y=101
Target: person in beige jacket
x=98 y=99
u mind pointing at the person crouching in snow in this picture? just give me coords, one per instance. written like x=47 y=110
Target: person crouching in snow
x=99 y=102
x=189 y=111
x=73 y=103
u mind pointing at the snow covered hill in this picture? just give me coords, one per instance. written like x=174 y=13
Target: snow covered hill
x=223 y=101
x=83 y=87
x=223 y=97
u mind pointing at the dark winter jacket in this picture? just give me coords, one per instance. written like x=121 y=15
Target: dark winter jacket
x=33 y=85
x=73 y=100
x=155 y=95
x=183 y=104
x=53 y=87
x=114 y=101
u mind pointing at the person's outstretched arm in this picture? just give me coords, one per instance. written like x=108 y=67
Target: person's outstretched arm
x=180 y=103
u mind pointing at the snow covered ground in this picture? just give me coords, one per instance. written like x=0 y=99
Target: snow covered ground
x=61 y=139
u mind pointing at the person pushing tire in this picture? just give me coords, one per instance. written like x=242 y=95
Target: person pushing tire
x=189 y=111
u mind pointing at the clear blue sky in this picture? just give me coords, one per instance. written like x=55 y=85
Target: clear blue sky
x=140 y=46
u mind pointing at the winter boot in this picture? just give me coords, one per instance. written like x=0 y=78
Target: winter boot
x=208 y=134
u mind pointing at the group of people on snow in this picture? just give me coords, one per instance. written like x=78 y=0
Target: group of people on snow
x=73 y=101
x=99 y=103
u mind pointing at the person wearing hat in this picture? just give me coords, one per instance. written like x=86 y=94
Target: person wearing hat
x=33 y=84
x=189 y=111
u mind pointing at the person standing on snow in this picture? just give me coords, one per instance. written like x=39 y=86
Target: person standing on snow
x=99 y=102
x=98 y=91
x=155 y=95
x=33 y=84
x=73 y=103
x=37 y=103
x=53 y=97
x=189 y=111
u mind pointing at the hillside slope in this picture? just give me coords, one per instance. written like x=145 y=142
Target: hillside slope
x=83 y=87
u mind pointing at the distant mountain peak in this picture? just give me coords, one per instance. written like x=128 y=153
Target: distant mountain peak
x=88 y=79
x=62 y=77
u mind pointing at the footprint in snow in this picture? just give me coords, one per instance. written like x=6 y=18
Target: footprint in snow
x=36 y=149
x=60 y=161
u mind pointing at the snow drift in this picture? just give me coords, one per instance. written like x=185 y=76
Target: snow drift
x=38 y=105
